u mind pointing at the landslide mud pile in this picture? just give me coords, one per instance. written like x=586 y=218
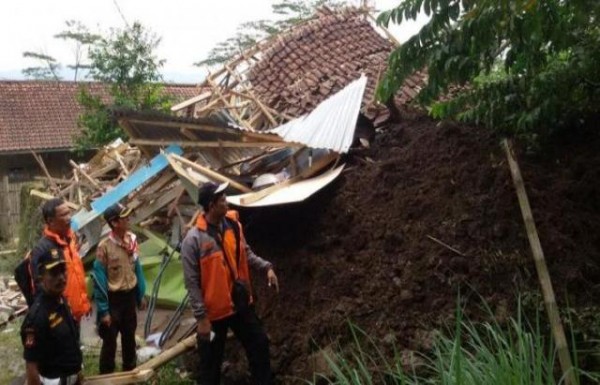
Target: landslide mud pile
x=362 y=249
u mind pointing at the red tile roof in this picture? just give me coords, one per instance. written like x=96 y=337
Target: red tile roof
x=42 y=115
x=314 y=60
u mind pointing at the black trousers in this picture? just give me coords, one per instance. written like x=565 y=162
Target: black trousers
x=122 y=305
x=248 y=329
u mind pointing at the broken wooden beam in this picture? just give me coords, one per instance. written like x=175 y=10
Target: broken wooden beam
x=209 y=173
x=42 y=165
x=46 y=196
x=211 y=144
x=85 y=175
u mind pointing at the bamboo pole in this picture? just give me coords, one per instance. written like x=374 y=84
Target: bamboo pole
x=132 y=377
x=541 y=267
x=170 y=354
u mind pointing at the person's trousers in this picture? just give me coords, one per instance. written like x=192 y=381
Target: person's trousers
x=122 y=305
x=248 y=329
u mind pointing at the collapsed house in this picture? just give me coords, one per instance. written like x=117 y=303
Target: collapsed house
x=274 y=123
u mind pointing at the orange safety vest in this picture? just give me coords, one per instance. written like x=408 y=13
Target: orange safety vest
x=75 y=290
x=215 y=274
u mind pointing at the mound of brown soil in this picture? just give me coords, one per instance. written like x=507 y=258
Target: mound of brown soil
x=364 y=250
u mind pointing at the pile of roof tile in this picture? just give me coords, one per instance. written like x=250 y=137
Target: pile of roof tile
x=303 y=67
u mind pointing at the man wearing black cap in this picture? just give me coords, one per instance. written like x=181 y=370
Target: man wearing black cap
x=49 y=332
x=120 y=287
x=215 y=259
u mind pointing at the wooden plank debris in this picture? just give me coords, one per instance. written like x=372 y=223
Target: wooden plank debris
x=209 y=173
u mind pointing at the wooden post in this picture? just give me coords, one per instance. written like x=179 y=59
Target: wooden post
x=4 y=205
x=42 y=165
x=542 y=269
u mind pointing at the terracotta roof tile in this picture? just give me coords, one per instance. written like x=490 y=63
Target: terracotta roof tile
x=42 y=115
x=326 y=53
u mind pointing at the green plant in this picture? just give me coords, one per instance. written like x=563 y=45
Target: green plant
x=543 y=56
x=126 y=62
x=472 y=353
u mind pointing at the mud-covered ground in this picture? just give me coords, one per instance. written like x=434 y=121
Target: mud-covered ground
x=364 y=249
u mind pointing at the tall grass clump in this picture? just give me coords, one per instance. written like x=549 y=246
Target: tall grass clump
x=470 y=353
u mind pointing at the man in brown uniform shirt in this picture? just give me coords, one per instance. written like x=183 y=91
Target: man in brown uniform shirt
x=120 y=287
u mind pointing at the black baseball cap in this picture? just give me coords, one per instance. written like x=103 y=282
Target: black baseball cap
x=209 y=192
x=116 y=211
x=50 y=260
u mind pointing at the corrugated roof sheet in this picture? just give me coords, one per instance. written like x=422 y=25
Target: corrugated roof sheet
x=331 y=125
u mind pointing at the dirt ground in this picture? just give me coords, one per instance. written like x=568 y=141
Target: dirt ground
x=362 y=249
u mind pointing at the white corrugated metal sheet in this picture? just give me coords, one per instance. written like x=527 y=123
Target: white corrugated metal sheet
x=331 y=125
x=296 y=192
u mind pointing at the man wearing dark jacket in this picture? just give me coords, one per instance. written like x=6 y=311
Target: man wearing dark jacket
x=120 y=287
x=49 y=332
x=215 y=259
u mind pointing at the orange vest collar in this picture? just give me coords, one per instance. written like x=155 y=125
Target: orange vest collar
x=202 y=224
x=57 y=238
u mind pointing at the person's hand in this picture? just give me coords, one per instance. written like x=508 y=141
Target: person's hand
x=106 y=320
x=272 y=279
x=203 y=328
x=143 y=304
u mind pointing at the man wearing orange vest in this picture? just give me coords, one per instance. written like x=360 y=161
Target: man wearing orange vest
x=58 y=239
x=215 y=259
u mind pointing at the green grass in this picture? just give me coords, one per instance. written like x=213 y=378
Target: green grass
x=470 y=354
x=11 y=352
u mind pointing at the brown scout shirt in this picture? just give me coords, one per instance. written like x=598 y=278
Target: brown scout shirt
x=119 y=262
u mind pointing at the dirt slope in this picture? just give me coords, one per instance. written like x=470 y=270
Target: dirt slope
x=361 y=250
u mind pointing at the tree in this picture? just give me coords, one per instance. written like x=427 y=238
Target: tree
x=288 y=12
x=126 y=63
x=530 y=66
x=83 y=39
x=48 y=68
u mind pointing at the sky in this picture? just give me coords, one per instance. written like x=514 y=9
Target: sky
x=188 y=28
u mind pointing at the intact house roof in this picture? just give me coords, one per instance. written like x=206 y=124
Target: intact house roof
x=42 y=115
x=314 y=60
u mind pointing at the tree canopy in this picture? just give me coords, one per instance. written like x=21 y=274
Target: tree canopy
x=528 y=67
x=126 y=63
x=47 y=67
x=287 y=13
